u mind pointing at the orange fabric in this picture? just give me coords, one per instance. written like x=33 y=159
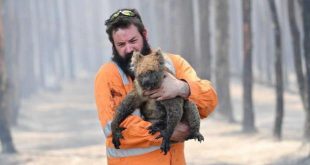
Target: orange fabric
x=174 y=157
x=110 y=91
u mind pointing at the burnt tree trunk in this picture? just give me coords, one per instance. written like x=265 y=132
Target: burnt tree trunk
x=10 y=25
x=297 y=53
x=306 y=22
x=248 y=122
x=222 y=60
x=185 y=42
x=205 y=44
x=278 y=72
x=5 y=133
x=69 y=33
x=27 y=73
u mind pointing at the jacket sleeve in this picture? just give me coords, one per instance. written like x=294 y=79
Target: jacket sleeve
x=136 y=134
x=201 y=91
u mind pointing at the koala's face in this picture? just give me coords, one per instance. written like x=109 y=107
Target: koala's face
x=149 y=69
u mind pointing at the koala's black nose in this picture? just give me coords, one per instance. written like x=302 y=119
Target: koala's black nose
x=150 y=80
x=147 y=82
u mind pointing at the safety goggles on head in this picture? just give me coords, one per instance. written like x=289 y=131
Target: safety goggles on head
x=125 y=12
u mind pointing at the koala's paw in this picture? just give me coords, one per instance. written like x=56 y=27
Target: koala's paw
x=165 y=146
x=196 y=136
x=152 y=129
x=199 y=137
x=155 y=127
x=163 y=134
x=116 y=136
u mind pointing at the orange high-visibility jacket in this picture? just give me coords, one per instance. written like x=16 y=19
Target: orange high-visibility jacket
x=138 y=146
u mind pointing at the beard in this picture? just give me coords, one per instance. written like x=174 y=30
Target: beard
x=124 y=62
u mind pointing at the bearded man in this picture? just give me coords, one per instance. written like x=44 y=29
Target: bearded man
x=114 y=81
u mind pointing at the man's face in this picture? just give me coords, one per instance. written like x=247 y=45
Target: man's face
x=127 y=40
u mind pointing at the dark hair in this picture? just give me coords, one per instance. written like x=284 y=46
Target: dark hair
x=123 y=21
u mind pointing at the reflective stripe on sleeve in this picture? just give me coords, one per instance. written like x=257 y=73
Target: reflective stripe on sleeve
x=112 y=152
x=169 y=64
x=107 y=130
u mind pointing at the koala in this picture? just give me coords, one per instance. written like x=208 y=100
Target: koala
x=165 y=114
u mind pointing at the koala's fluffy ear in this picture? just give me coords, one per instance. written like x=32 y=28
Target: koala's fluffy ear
x=160 y=56
x=136 y=57
x=158 y=51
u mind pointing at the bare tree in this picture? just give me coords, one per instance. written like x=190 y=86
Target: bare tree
x=278 y=72
x=5 y=134
x=296 y=42
x=183 y=33
x=205 y=45
x=222 y=60
x=10 y=25
x=306 y=41
x=248 y=122
x=69 y=39
x=27 y=76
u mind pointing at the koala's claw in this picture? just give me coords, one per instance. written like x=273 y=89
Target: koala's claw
x=152 y=129
x=117 y=135
x=116 y=142
x=159 y=136
x=156 y=126
x=165 y=146
x=200 y=138
x=196 y=136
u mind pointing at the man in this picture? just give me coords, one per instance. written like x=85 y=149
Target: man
x=114 y=81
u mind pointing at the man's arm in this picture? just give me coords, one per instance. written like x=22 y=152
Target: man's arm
x=170 y=88
x=136 y=134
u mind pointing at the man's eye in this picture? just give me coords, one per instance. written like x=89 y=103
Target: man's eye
x=121 y=45
x=133 y=41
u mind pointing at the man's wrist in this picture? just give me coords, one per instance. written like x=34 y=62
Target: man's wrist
x=184 y=89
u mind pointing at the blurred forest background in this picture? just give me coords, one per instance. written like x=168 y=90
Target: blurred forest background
x=51 y=46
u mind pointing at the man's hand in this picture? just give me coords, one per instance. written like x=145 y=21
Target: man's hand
x=180 y=132
x=170 y=88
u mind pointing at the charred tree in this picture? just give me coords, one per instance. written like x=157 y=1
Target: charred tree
x=298 y=62
x=183 y=23
x=5 y=133
x=222 y=60
x=27 y=76
x=10 y=25
x=306 y=41
x=278 y=72
x=69 y=33
x=205 y=45
x=248 y=122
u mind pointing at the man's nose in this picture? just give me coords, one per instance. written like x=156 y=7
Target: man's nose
x=128 y=49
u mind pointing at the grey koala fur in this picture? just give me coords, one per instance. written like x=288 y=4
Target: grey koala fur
x=164 y=115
